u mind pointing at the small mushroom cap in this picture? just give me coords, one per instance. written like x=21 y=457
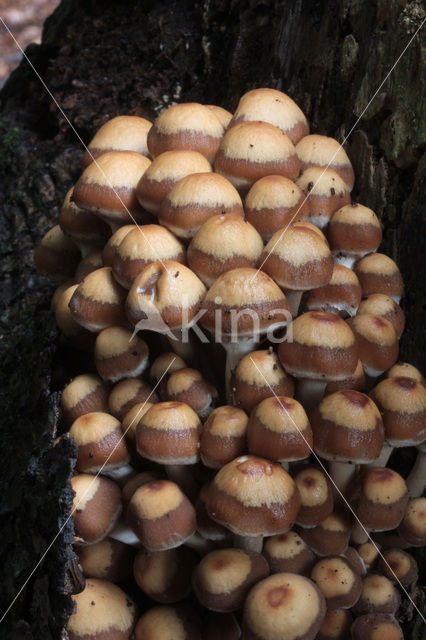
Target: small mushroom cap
x=297 y=259
x=161 y=515
x=136 y=481
x=98 y=301
x=355 y=560
x=89 y=263
x=258 y=375
x=165 y=576
x=221 y=114
x=195 y=199
x=322 y=347
x=342 y=293
x=83 y=227
x=354 y=230
x=111 y=246
x=377 y=342
x=326 y=193
x=413 y=526
x=347 y=426
x=275 y=107
x=377 y=273
x=321 y=151
x=188 y=385
x=273 y=203
x=102 y=611
x=381 y=305
x=223 y=242
x=165 y=364
x=376 y=626
x=405 y=370
x=279 y=430
x=356 y=381
x=244 y=303
x=165 y=171
x=132 y=417
x=186 y=126
x=96 y=506
x=338 y=582
x=378 y=595
x=398 y=565
x=123 y=133
x=336 y=625
x=126 y=393
x=287 y=552
x=69 y=328
x=331 y=536
x=223 y=578
x=169 y=433
x=120 y=354
x=252 y=497
x=370 y=554
x=169 y=623
x=108 y=560
x=283 y=606
x=402 y=402
x=223 y=437
x=251 y=150
x=315 y=494
x=56 y=256
x=100 y=442
x=84 y=394
x=164 y=295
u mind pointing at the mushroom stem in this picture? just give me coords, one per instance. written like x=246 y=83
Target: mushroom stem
x=359 y=534
x=234 y=352
x=182 y=348
x=120 y=474
x=123 y=533
x=345 y=260
x=341 y=474
x=182 y=476
x=383 y=458
x=248 y=543
x=310 y=392
x=416 y=480
x=294 y=298
x=200 y=544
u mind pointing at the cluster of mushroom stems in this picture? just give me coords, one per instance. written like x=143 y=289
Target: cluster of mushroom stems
x=255 y=501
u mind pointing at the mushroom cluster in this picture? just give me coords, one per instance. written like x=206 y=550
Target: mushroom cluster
x=256 y=498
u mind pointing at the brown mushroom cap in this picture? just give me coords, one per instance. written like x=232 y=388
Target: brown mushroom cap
x=326 y=193
x=297 y=259
x=251 y=150
x=169 y=433
x=370 y=554
x=108 y=560
x=96 y=507
x=347 y=426
x=143 y=246
x=377 y=342
x=321 y=151
x=223 y=437
x=330 y=536
x=315 y=494
x=354 y=231
x=413 y=527
x=378 y=595
x=84 y=394
x=287 y=552
x=253 y=497
x=381 y=305
x=355 y=560
x=166 y=171
x=275 y=107
x=83 y=227
x=221 y=114
x=402 y=403
x=189 y=386
x=102 y=612
x=75 y=335
x=166 y=363
x=119 y=354
x=223 y=242
x=206 y=526
x=98 y=301
x=279 y=429
x=166 y=622
x=100 y=442
x=259 y=375
x=284 y=606
x=165 y=576
x=166 y=294
x=89 y=263
x=161 y=515
x=376 y=626
x=336 y=625
x=56 y=256
x=107 y=187
x=111 y=246
x=136 y=481
x=188 y=125
x=377 y=273
x=195 y=199
x=244 y=303
x=123 y=133
x=126 y=393
x=338 y=582
x=356 y=381
x=405 y=370
x=399 y=566
x=342 y=293
x=322 y=347
x=223 y=578
x=273 y=203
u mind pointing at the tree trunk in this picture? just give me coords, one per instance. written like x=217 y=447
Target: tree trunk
x=101 y=59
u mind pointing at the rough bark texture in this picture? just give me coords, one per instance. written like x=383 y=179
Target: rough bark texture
x=101 y=59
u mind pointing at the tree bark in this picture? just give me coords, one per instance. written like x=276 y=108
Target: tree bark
x=102 y=59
